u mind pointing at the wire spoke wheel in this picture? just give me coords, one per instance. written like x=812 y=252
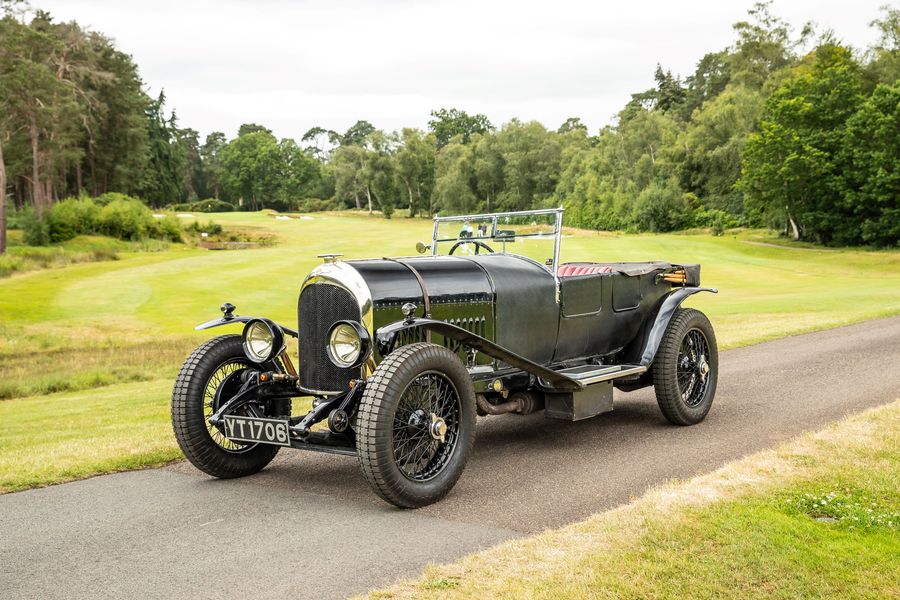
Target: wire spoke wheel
x=209 y=377
x=693 y=367
x=426 y=426
x=685 y=369
x=415 y=424
x=223 y=383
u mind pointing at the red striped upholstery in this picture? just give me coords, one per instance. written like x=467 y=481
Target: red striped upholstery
x=582 y=269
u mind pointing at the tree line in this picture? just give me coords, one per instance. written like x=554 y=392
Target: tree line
x=783 y=128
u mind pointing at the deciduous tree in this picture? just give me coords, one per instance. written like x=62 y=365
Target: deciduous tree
x=789 y=167
x=446 y=123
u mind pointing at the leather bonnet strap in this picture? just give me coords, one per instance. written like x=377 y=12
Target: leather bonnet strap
x=426 y=301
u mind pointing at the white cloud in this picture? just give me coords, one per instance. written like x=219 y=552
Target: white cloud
x=293 y=65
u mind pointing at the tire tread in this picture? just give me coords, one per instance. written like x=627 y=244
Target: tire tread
x=373 y=438
x=665 y=379
x=187 y=414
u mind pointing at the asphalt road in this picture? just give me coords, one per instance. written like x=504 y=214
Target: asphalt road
x=308 y=526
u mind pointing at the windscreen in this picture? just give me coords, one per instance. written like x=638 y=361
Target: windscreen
x=531 y=235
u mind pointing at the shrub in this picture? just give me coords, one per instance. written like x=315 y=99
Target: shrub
x=9 y=265
x=209 y=228
x=71 y=217
x=17 y=219
x=166 y=228
x=387 y=209
x=37 y=233
x=208 y=205
x=110 y=197
x=317 y=205
x=211 y=205
x=716 y=219
x=126 y=219
x=661 y=208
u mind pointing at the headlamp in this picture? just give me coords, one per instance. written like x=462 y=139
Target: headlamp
x=263 y=340
x=348 y=344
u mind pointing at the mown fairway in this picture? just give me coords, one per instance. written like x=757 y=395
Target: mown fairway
x=128 y=323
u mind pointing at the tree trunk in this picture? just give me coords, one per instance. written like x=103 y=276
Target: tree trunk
x=369 y=196
x=2 y=201
x=37 y=189
x=93 y=168
x=356 y=198
x=412 y=206
x=795 y=231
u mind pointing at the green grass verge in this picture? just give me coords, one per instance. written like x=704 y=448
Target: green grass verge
x=818 y=517
x=95 y=324
x=55 y=438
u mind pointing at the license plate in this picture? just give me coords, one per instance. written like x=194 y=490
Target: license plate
x=253 y=429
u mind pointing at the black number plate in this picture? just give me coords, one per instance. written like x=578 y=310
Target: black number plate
x=252 y=429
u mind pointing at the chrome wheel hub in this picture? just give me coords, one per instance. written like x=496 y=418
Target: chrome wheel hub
x=438 y=428
x=703 y=367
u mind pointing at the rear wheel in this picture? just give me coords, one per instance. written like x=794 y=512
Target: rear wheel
x=415 y=425
x=209 y=377
x=686 y=368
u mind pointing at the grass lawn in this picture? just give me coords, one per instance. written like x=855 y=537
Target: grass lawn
x=98 y=325
x=70 y=435
x=818 y=517
x=20 y=258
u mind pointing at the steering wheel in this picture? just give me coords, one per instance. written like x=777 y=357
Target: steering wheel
x=478 y=246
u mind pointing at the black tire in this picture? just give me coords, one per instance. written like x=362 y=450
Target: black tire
x=388 y=424
x=683 y=392
x=205 y=447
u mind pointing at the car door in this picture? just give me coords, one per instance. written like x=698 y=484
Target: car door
x=581 y=309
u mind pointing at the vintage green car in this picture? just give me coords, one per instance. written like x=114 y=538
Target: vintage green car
x=401 y=354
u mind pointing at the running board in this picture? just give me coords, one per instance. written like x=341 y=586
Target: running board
x=591 y=374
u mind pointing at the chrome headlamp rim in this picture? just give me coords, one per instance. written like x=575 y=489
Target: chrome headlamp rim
x=256 y=330
x=364 y=345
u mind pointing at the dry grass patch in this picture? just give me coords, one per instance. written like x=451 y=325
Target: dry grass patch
x=769 y=525
x=45 y=372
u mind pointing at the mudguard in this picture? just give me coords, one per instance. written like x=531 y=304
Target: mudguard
x=229 y=319
x=386 y=338
x=672 y=302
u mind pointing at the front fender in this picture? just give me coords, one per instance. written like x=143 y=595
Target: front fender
x=386 y=338
x=672 y=302
x=229 y=319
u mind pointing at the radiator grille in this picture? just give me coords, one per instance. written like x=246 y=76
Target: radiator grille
x=321 y=305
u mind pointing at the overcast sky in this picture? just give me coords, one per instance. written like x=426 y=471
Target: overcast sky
x=291 y=65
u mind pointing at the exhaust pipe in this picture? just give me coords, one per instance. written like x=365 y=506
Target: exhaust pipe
x=523 y=403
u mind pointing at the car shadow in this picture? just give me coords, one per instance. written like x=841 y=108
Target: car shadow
x=512 y=454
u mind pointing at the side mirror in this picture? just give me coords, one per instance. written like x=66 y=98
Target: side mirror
x=422 y=248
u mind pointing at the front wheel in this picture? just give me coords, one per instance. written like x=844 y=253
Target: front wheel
x=686 y=368
x=209 y=377
x=415 y=426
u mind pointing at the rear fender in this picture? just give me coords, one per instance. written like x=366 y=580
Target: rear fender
x=663 y=316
